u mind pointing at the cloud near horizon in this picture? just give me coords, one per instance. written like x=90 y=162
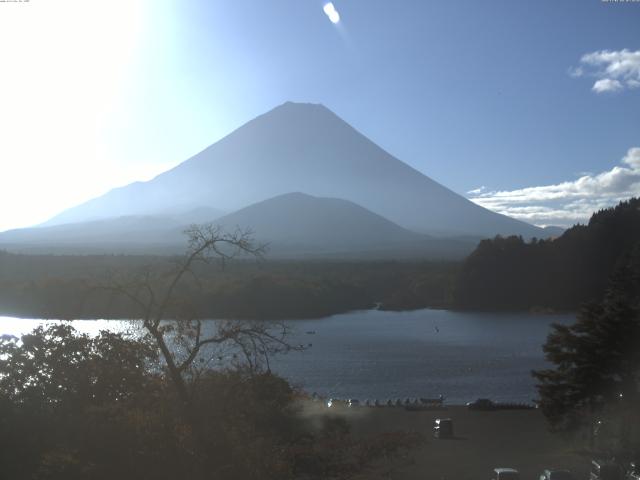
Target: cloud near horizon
x=614 y=70
x=567 y=203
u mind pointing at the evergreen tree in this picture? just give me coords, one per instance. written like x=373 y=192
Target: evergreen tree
x=562 y=273
x=597 y=359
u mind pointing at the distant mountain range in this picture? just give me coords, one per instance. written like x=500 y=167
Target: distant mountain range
x=293 y=225
x=552 y=231
x=354 y=196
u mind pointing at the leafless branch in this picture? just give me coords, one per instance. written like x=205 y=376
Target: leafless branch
x=154 y=294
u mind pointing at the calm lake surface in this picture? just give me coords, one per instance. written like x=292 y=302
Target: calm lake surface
x=423 y=353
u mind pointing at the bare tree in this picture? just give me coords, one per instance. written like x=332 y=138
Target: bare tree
x=186 y=343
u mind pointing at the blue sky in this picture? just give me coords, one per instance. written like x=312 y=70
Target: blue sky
x=495 y=94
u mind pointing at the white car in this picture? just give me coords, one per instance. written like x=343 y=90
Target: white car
x=556 y=475
x=503 y=473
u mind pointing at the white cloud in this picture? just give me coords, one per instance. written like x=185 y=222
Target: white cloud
x=614 y=70
x=568 y=202
x=632 y=83
x=477 y=191
x=607 y=85
x=576 y=72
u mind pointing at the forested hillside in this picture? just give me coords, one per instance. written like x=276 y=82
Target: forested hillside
x=511 y=274
x=75 y=286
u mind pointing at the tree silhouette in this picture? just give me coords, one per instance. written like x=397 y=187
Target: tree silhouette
x=174 y=323
x=597 y=359
x=562 y=273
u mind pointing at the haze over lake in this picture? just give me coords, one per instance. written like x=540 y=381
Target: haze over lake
x=423 y=353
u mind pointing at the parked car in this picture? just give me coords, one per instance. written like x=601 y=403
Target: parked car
x=505 y=474
x=443 y=428
x=604 y=470
x=556 y=475
x=481 y=404
x=353 y=402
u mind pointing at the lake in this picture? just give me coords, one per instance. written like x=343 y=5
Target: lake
x=423 y=353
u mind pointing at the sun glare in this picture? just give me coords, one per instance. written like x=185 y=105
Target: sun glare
x=331 y=12
x=64 y=63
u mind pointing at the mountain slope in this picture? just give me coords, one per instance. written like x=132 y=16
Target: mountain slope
x=123 y=234
x=294 y=225
x=304 y=148
x=127 y=234
x=326 y=223
x=297 y=224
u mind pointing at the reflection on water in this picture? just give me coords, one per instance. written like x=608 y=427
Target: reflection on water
x=424 y=353
x=20 y=326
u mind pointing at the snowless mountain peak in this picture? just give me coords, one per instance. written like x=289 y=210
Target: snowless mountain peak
x=302 y=147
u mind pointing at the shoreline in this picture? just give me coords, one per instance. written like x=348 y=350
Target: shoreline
x=535 y=311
